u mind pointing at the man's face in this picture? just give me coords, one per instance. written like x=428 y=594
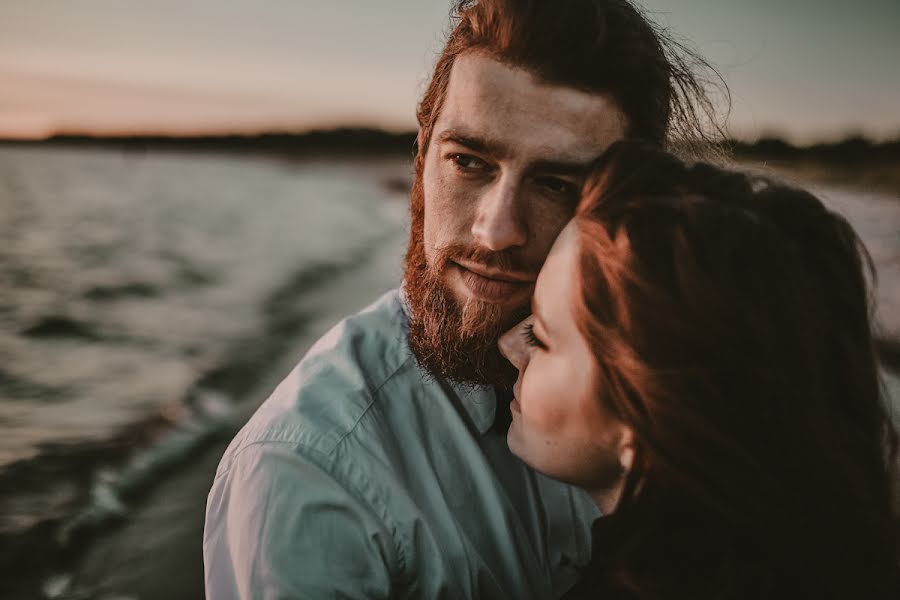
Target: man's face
x=500 y=180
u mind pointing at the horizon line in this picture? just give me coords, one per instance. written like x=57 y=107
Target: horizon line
x=214 y=134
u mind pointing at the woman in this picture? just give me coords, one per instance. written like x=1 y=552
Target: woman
x=700 y=360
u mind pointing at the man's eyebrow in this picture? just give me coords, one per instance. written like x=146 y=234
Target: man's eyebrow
x=561 y=167
x=473 y=142
x=572 y=168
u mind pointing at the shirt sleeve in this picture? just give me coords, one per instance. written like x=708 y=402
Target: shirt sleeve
x=280 y=526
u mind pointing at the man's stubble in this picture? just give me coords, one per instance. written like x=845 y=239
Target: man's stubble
x=454 y=339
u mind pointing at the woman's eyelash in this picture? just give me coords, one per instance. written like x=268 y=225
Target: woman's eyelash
x=528 y=334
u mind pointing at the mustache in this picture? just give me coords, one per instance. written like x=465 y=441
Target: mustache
x=504 y=260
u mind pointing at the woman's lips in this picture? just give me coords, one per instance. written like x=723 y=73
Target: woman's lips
x=488 y=288
x=514 y=406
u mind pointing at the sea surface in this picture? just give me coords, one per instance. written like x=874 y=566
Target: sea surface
x=125 y=276
x=142 y=294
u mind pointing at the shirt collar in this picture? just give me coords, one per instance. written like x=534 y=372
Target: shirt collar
x=403 y=299
x=479 y=401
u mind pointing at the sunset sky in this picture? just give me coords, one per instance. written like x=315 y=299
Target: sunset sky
x=810 y=69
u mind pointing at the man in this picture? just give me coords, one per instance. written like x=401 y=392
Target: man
x=379 y=467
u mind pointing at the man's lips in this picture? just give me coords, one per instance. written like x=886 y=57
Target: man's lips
x=496 y=274
x=492 y=285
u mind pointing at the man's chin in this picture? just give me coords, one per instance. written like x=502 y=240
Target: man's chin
x=486 y=320
x=453 y=333
x=469 y=365
x=457 y=339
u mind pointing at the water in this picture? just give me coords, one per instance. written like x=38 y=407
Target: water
x=142 y=295
x=876 y=218
x=134 y=285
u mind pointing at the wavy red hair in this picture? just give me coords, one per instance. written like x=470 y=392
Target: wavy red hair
x=730 y=318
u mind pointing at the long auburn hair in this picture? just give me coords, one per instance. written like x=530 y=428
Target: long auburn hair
x=730 y=317
x=667 y=91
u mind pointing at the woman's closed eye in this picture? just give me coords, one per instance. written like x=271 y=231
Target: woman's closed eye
x=530 y=338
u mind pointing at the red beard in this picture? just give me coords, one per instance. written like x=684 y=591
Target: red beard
x=450 y=339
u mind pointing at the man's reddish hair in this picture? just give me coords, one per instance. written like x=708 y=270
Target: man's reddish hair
x=599 y=46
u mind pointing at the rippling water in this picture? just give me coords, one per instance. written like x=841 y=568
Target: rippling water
x=129 y=281
x=876 y=218
x=127 y=276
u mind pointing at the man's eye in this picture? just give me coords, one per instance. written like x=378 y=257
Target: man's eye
x=558 y=186
x=468 y=162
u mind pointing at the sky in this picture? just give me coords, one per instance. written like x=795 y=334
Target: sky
x=811 y=70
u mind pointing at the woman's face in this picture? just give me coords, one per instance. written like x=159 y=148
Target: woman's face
x=559 y=426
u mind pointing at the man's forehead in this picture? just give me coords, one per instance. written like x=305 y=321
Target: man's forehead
x=510 y=110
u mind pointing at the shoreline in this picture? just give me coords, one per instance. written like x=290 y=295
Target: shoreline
x=153 y=549
x=78 y=470
x=70 y=498
x=113 y=566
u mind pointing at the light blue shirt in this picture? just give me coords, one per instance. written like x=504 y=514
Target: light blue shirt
x=363 y=477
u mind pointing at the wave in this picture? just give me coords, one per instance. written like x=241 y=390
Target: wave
x=125 y=290
x=15 y=386
x=70 y=493
x=61 y=326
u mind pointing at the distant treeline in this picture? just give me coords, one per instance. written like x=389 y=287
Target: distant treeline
x=852 y=150
x=368 y=141
x=346 y=140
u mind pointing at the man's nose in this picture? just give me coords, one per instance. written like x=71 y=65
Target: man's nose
x=513 y=346
x=499 y=223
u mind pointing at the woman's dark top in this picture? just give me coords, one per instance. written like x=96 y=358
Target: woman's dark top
x=595 y=581
x=650 y=549
x=655 y=549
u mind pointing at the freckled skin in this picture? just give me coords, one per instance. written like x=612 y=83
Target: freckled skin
x=506 y=194
x=496 y=199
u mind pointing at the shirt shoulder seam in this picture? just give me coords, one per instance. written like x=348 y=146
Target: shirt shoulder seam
x=372 y=399
x=346 y=483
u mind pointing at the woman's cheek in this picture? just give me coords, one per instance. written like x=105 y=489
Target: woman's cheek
x=542 y=403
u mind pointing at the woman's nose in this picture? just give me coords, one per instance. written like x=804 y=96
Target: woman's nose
x=513 y=345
